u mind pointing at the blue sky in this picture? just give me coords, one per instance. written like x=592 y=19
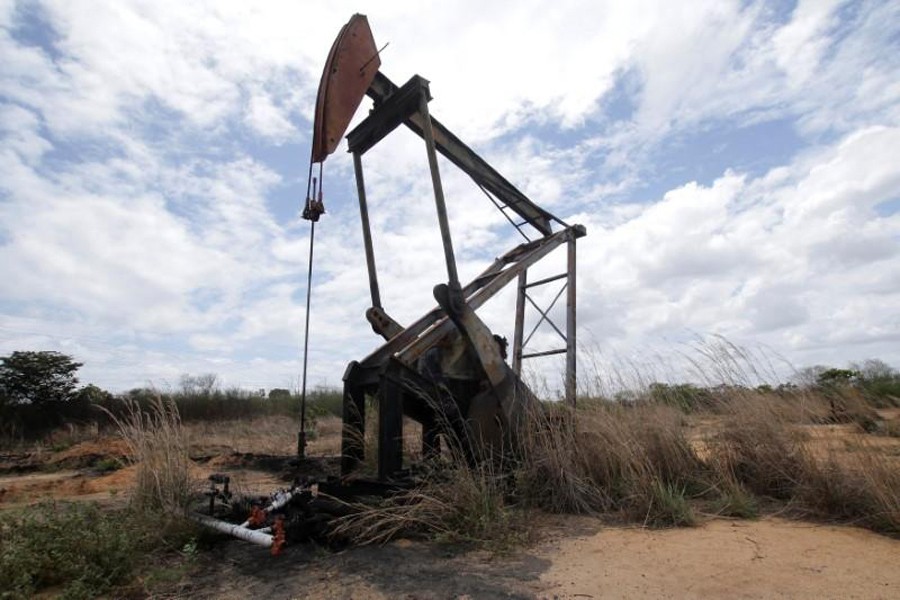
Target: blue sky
x=734 y=163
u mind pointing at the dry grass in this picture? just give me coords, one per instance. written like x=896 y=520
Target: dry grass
x=611 y=458
x=835 y=472
x=635 y=461
x=759 y=449
x=861 y=486
x=457 y=499
x=462 y=503
x=159 y=446
x=653 y=465
x=259 y=435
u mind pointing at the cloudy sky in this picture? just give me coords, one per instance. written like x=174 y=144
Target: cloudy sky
x=735 y=163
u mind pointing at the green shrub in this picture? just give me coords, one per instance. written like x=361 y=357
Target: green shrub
x=685 y=397
x=663 y=505
x=77 y=547
x=735 y=501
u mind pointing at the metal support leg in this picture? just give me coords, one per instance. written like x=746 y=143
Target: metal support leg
x=367 y=231
x=570 y=325
x=427 y=130
x=520 y=323
x=353 y=449
x=390 y=429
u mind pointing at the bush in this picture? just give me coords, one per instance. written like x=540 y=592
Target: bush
x=77 y=547
x=685 y=397
x=79 y=550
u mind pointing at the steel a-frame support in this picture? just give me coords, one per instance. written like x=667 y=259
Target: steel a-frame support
x=523 y=300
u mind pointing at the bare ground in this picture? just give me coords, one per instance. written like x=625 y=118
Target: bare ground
x=575 y=557
x=771 y=558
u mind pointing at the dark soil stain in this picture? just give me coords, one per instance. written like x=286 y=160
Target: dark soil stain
x=403 y=569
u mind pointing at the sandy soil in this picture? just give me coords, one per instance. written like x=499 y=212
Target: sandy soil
x=576 y=557
x=771 y=558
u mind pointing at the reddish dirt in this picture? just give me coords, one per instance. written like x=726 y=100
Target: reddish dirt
x=577 y=557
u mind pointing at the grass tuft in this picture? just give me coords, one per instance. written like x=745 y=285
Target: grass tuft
x=159 y=446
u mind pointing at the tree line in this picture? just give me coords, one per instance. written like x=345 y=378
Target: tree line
x=40 y=392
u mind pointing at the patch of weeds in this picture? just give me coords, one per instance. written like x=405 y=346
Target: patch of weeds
x=190 y=548
x=77 y=548
x=108 y=465
x=666 y=505
x=735 y=501
x=81 y=551
x=170 y=571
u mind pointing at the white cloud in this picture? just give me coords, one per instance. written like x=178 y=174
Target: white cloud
x=267 y=120
x=788 y=263
x=139 y=191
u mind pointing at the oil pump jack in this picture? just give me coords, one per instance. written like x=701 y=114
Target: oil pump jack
x=447 y=370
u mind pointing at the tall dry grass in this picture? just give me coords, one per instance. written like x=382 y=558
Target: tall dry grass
x=601 y=459
x=159 y=447
x=758 y=448
x=605 y=457
x=664 y=454
x=462 y=495
x=460 y=503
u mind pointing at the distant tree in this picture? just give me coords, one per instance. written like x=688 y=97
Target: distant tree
x=91 y=394
x=279 y=394
x=879 y=381
x=204 y=384
x=38 y=392
x=808 y=377
x=683 y=396
x=837 y=376
x=874 y=369
x=38 y=377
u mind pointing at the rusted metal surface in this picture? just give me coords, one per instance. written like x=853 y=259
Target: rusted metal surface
x=419 y=336
x=367 y=231
x=485 y=393
x=519 y=325
x=470 y=162
x=439 y=203
x=382 y=323
x=351 y=66
x=571 y=346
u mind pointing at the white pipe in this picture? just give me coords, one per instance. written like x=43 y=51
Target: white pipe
x=242 y=533
x=279 y=500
